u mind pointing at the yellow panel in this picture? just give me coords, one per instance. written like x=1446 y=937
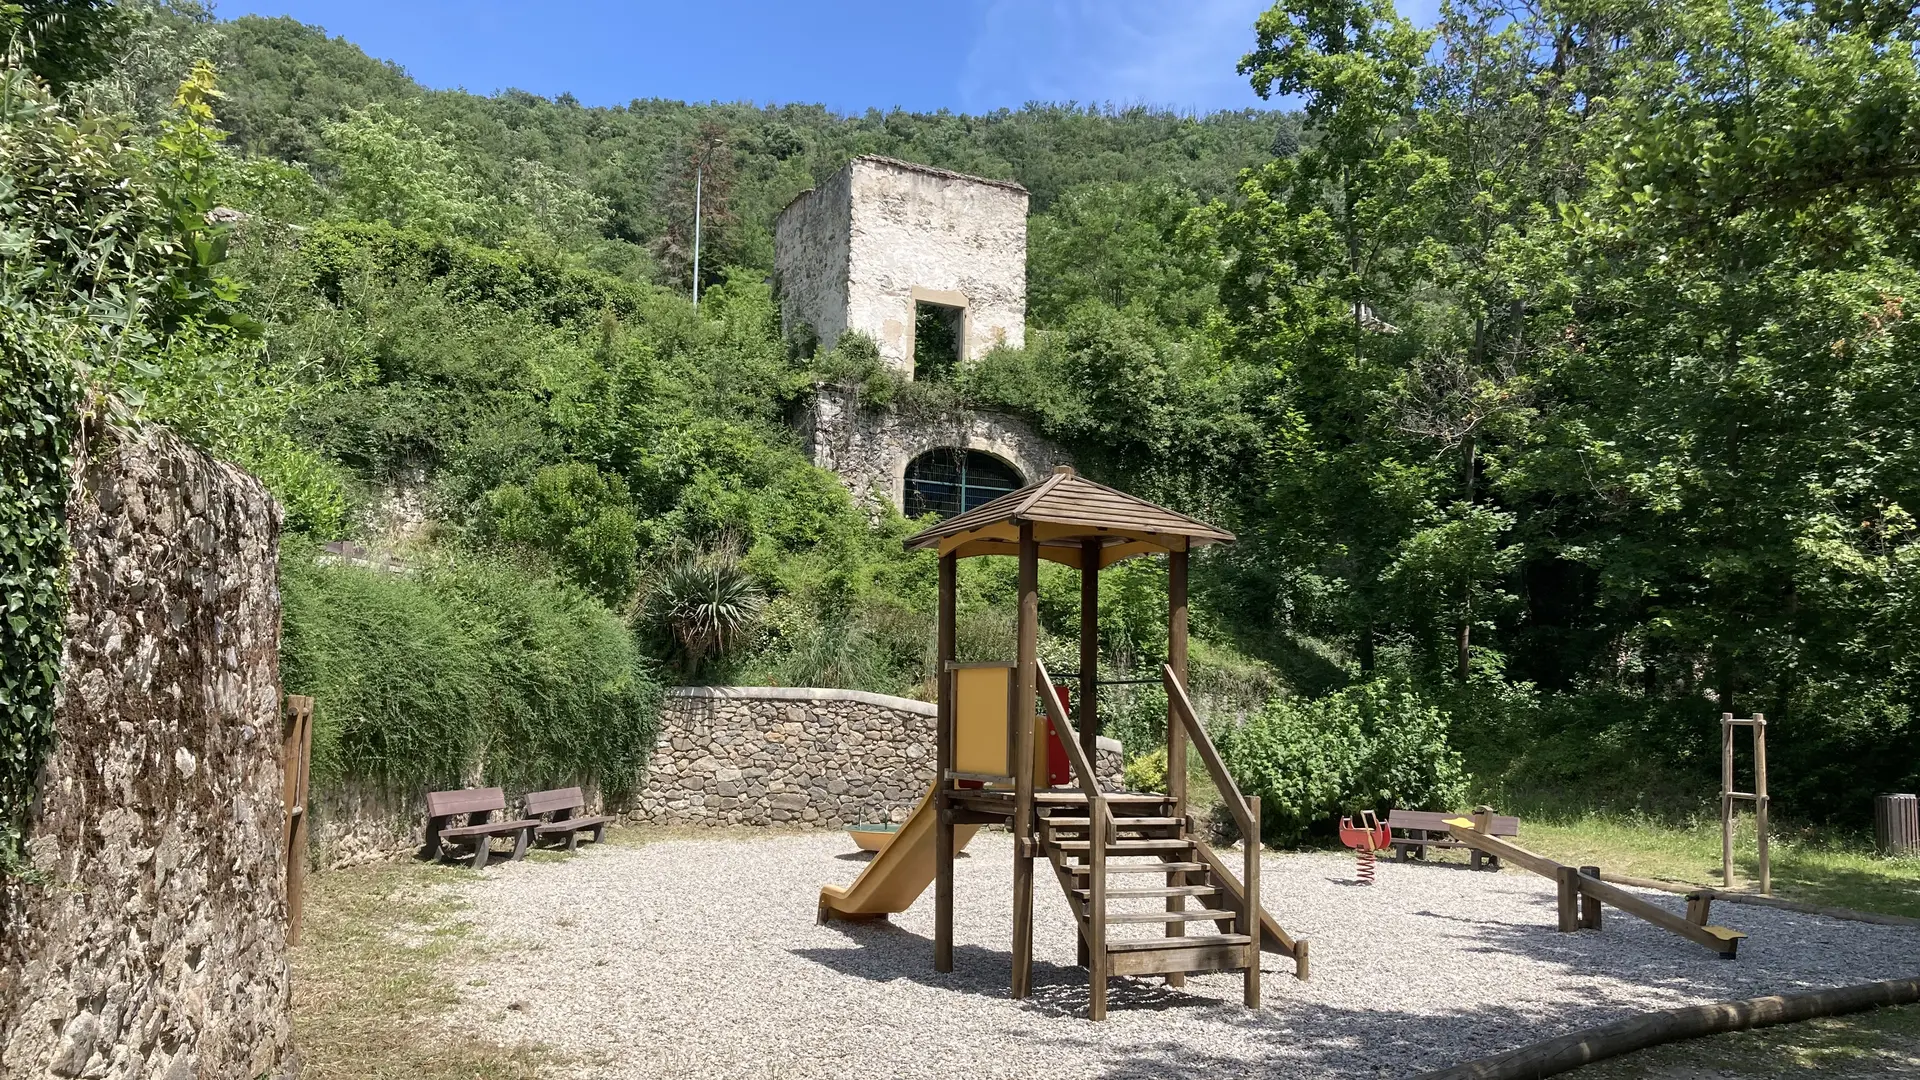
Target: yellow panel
x=980 y=718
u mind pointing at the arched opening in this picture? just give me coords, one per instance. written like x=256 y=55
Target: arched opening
x=948 y=481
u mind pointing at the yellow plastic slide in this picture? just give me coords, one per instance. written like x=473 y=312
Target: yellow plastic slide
x=898 y=874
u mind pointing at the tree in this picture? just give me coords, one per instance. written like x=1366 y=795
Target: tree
x=576 y=518
x=68 y=43
x=1324 y=243
x=384 y=168
x=706 y=164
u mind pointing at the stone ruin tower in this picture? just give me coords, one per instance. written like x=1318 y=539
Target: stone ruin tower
x=890 y=248
x=932 y=265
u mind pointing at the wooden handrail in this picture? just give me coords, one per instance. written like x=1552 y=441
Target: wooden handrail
x=1076 y=754
x=1210 y=754
x=1100 y=827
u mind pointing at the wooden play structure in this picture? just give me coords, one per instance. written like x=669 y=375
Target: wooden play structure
x=1758 y=796
x=992 y=766
x=1581 y=891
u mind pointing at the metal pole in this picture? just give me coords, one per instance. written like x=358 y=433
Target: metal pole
x=697 y=171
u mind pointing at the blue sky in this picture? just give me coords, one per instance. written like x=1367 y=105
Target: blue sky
x=964 y=55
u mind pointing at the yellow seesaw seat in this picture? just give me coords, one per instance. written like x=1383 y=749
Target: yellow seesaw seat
x=898 y=874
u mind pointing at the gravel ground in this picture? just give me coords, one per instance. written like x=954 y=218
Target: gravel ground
x=701 y=958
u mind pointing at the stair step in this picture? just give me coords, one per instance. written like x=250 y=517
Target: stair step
x=1191 y=955
x=1154 y=944
x=1128 y=847
x=1116 y=798
x=1145 y=894
x=1143 y=868
x=1119 y=822
x=1195 y=915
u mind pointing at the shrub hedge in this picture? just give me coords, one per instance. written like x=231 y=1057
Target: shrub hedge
x=475 y=670
x=1371 y=746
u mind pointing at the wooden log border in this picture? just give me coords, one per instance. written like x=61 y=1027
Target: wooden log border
x=1550 y=1057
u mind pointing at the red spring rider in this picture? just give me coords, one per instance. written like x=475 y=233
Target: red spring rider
x=1366 y=838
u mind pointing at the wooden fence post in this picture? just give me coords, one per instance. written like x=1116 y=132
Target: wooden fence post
x=1726 y=799
x=1760 y=799
x=295 y=768
x=1568 y=899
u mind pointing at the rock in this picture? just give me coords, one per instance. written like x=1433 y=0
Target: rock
x=76 y=1045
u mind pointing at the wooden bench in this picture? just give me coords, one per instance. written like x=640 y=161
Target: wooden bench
x=1425 y=829
x=478 y=805
x=564 y=804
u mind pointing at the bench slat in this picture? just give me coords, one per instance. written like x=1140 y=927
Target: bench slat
x=546 y=802
x=1429 y=821
x=491 y=828
x=465 y=801
x=568 y=825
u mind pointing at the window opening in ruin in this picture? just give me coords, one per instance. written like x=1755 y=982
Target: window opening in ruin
x=949 y=480
x=936 y=340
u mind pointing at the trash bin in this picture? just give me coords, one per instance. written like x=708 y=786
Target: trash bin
x=1896 y=824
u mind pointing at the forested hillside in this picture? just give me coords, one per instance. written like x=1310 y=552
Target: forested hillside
x=1552 y=366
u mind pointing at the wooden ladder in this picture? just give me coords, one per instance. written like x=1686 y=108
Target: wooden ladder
x=1158 y=881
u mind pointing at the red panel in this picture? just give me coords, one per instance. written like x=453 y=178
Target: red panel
x=1059 y=765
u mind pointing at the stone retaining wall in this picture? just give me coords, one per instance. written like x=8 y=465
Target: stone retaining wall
x=754 y=755
x=153 y=944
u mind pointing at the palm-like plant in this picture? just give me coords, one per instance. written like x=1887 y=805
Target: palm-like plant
x=701 y=603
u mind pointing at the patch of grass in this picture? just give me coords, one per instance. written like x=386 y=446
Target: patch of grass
x=1877 y=1043
x=1811 y=870
x=370 y=1000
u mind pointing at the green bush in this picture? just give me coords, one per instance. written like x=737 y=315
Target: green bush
x=1372 y=746
x=475 y=669
x=1148 y=772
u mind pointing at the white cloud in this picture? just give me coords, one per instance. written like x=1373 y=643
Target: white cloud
x=1176 y=53
x=1179 y=54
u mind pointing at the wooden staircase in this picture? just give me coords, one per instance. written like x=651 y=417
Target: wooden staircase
x=1136 y=874
x=1157 y=882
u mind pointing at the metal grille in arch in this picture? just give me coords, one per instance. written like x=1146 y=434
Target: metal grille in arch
x=949 y=480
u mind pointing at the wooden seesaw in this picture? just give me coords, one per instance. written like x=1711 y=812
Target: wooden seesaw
x=1582 y=892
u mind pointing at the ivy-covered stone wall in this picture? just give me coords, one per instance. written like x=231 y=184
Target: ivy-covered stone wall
x=148 y=937
x=36 y=406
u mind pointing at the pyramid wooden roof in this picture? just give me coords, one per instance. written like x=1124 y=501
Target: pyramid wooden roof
x=1065 y=510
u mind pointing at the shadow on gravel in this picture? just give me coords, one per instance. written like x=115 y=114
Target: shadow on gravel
x=883 y=952
x=1295 y=1035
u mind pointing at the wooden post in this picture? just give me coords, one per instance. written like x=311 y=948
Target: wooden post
x=1699 y=908
x=1177 y=660
x=943 y=762
x=1090 y=649
x=1589 y=904
x=1098 y=962
x=1760 y=798
x=1027 y=651
x=1250 y=903
x=1569 y=898
x=1176 y=732
x=295 y=789
x=1726 y=799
